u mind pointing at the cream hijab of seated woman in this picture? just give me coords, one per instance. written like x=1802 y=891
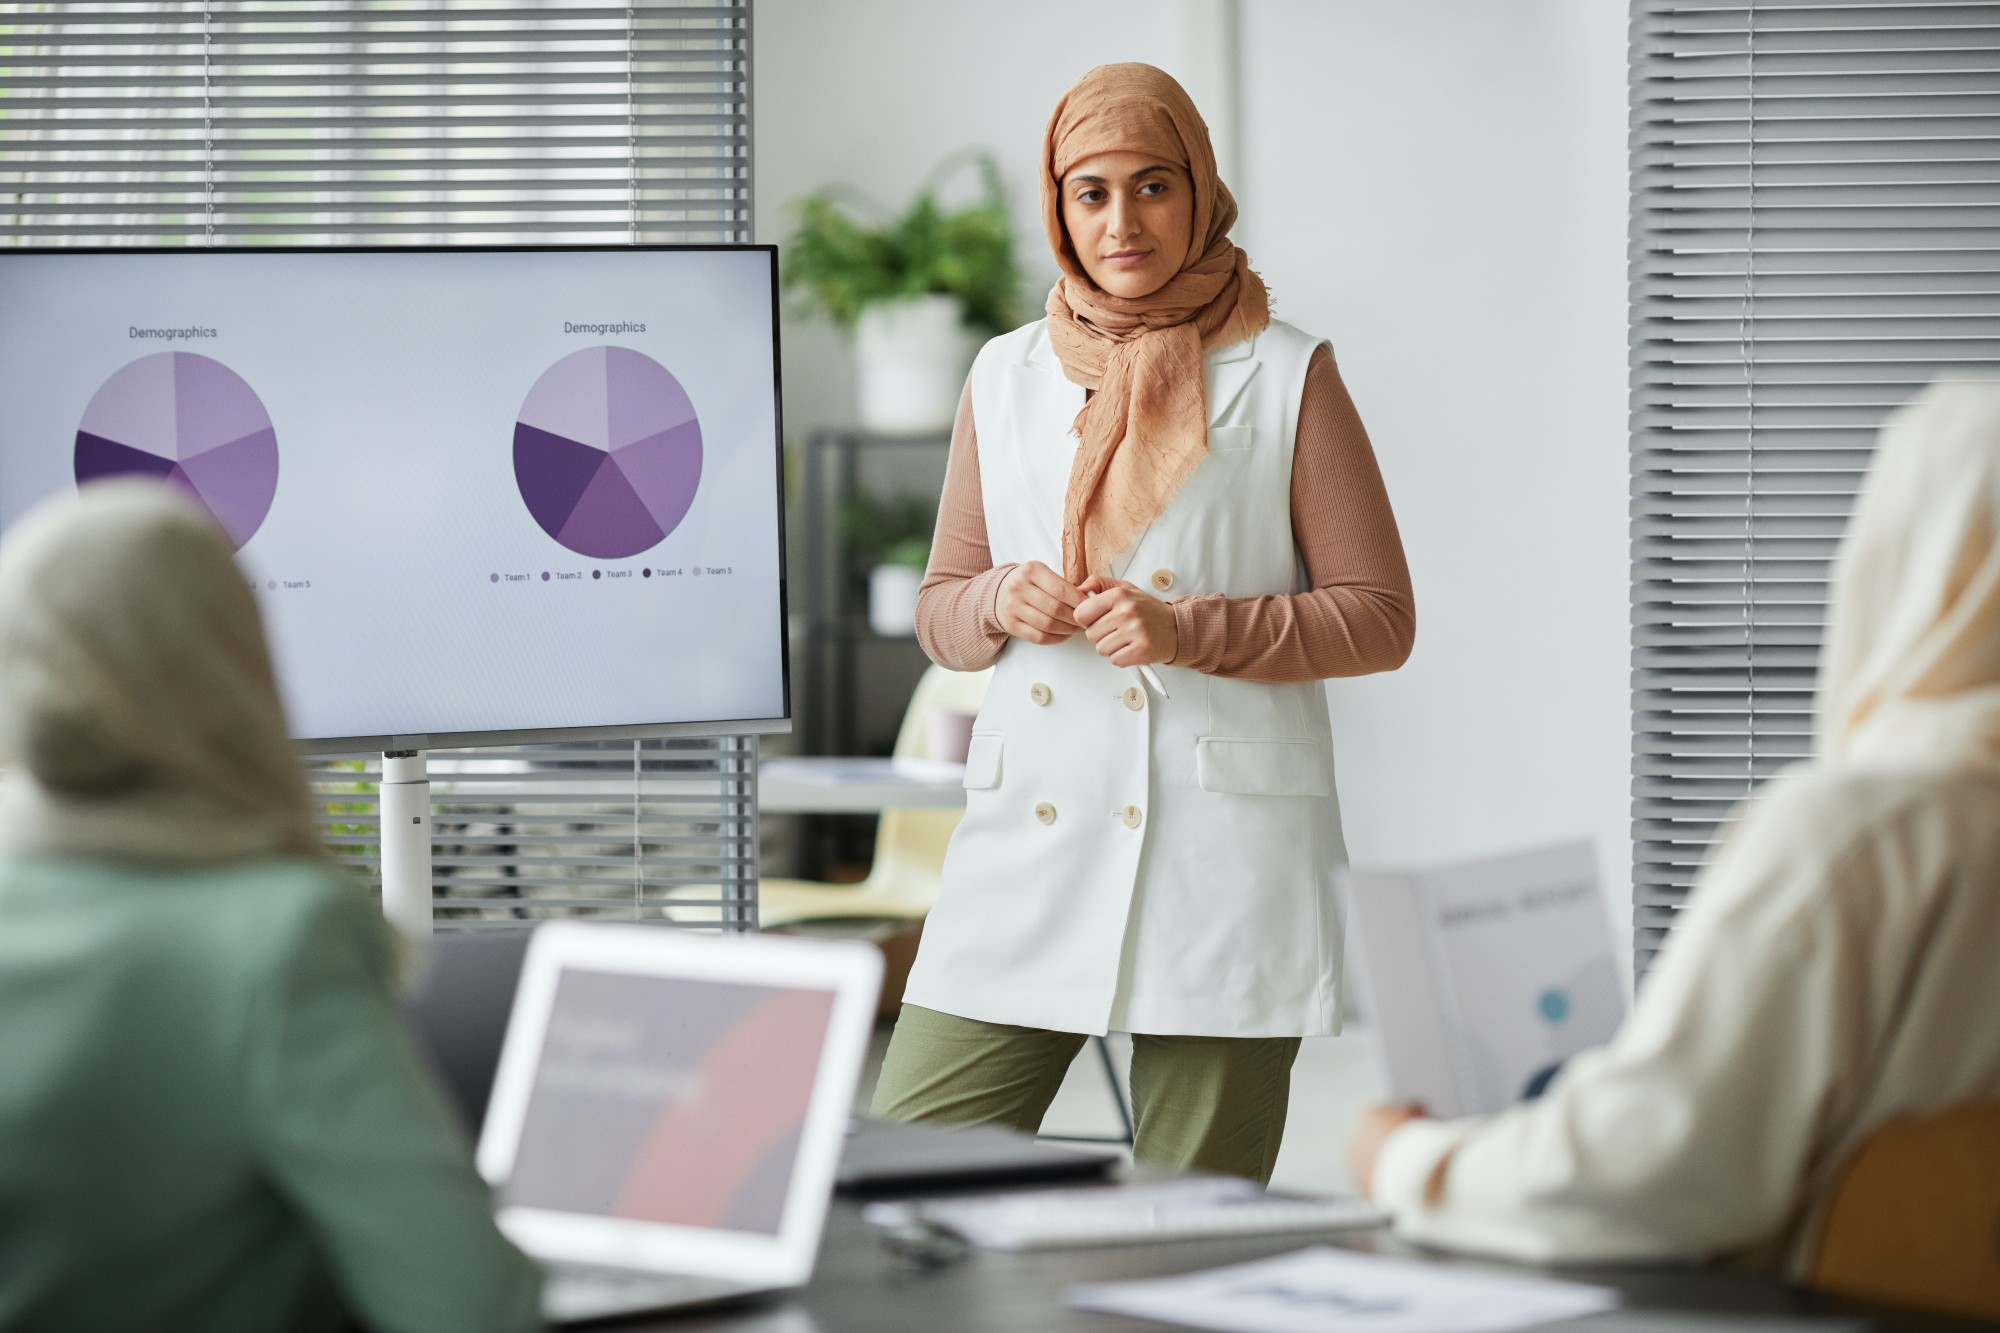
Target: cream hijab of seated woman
x=140 y=718
x=1839 y=964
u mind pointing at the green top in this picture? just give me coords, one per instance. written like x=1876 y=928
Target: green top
x=211 y=1116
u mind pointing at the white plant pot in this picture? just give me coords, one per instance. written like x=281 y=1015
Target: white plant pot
x=913 y=353
x=892 y=599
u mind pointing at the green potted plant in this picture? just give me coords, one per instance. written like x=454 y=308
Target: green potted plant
x=919 y=291
x=891 y=539
x=893 y=584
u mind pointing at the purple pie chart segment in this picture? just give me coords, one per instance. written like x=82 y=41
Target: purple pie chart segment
x=607 y=452
x=189 y=420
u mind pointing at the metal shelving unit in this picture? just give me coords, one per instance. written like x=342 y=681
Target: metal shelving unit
x=837 y=652
x=834 y=631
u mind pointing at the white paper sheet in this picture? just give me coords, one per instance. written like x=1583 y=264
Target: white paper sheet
x=1324 y=1290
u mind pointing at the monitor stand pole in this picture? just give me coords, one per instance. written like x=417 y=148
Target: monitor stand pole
x=406 y=843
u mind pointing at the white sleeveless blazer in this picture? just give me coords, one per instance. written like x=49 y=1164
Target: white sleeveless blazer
x=1130 y=860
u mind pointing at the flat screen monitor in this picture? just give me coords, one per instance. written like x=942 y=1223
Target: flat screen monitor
x=484 y=495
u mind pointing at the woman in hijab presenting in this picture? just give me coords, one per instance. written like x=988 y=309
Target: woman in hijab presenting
x=210 y=1115
x=1162 y=520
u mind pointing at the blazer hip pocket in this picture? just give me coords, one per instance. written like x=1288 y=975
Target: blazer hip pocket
x=1263 y=766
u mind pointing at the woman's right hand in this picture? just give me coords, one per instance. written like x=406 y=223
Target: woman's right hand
x=1038 y=604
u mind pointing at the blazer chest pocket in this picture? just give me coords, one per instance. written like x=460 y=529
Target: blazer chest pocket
x=1230 y=439
x=982 y=762
x=1261 y=766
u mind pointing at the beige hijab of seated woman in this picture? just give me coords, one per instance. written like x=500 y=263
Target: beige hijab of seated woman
x=1912 y=664
x=139 y=718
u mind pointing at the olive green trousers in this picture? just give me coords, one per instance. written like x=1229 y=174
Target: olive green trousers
x=1199 y=1103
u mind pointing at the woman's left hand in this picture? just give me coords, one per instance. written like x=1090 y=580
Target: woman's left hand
x=1131 y=627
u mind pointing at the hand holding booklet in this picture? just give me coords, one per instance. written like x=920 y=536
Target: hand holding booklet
x=1483 y=977
x=1322 y=1289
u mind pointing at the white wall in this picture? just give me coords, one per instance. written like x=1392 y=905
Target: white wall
x=1439 y=187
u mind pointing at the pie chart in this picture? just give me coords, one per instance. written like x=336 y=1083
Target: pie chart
x=607 y=452
x=189 y=420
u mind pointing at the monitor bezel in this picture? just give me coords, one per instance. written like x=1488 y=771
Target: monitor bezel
x=368 y=744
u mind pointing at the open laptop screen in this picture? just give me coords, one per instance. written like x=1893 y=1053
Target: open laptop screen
x=670 y=1100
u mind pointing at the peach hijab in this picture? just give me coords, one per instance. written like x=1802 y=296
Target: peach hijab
x=1145 y=429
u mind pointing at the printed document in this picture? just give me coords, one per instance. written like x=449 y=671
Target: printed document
x=1482 y=978
x=1322 y=1290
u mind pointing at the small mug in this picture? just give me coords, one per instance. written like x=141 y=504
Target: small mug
x=951 y=735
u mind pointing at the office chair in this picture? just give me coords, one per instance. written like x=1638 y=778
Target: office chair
x=908 y=869
x=1915 y=1217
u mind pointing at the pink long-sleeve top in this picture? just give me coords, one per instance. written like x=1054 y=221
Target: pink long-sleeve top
x=1358 y=617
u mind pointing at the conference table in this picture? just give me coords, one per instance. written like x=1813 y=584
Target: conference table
x=861 y=1287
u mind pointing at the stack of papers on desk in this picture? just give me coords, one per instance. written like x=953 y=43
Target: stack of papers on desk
x=1324 y=1289
x=1125 y=1214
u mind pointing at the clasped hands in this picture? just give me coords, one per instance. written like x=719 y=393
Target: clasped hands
x=1125 y=624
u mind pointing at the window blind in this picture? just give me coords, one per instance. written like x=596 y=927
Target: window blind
x=635 y=830
x=1815 y=236
x=383 y=121
x=437 y=122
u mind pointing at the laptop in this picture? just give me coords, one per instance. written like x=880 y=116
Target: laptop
x=669 y=1109
x=885 y=1159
